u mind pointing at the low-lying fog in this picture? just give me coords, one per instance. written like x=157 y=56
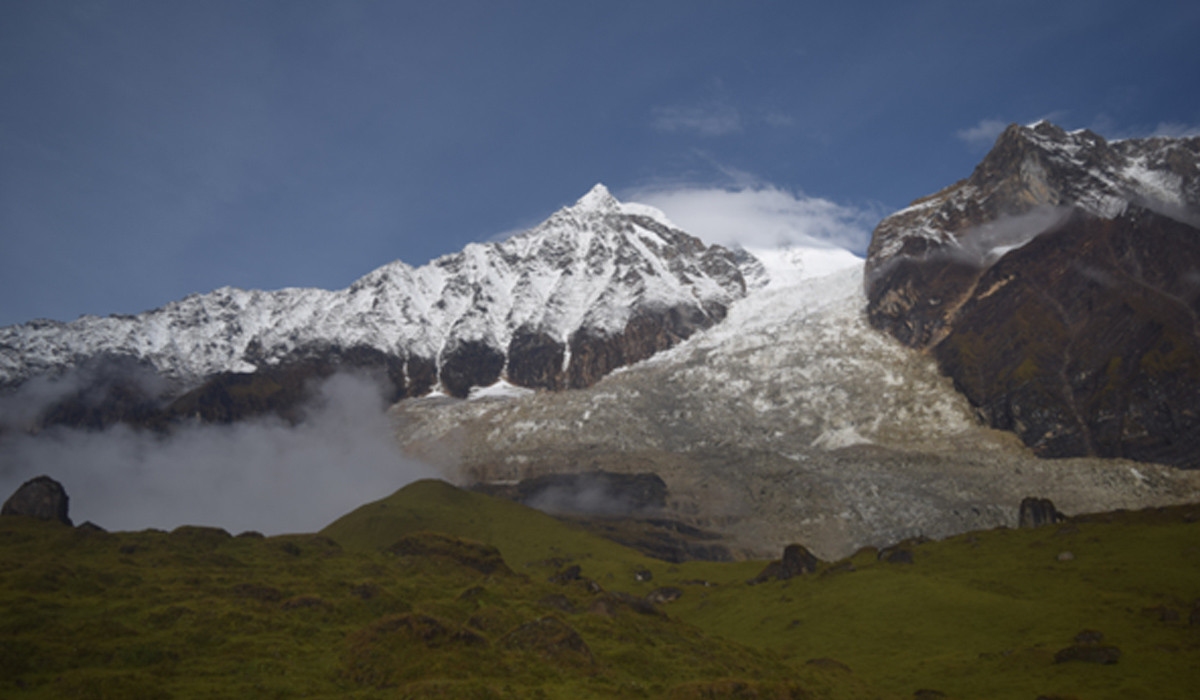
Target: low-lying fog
x=263 y=475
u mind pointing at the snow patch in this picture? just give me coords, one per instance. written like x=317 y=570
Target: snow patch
x=500 y=390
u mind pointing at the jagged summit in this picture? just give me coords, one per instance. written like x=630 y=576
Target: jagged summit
x=596 y=286
x=1040 y=167
x=598 y=199
x=1057 y=285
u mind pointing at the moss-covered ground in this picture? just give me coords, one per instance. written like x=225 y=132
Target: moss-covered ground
x=378 y=605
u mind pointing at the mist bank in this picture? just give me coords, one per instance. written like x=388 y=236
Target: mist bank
x=264 y=474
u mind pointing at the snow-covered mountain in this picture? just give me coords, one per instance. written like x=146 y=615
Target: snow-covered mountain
x=596 y=286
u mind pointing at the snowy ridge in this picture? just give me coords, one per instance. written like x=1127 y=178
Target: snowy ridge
x=589 y=266
x=1043 y=166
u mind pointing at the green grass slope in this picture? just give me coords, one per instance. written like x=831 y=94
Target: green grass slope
x=196 y=613
x=530 y=541
x=438 y=592
x=981 y=615
x=984 y=615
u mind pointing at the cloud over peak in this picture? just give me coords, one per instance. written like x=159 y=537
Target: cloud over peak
x=760 y=215
x=983 y=133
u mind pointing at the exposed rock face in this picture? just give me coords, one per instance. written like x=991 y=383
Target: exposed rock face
x=40 y=497
x=282 y=389
x=1036 y=512
x=597 y=286
x=1059 y=286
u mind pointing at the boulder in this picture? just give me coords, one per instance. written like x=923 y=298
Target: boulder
x=797 y=560
x=40 y=497
x=1036 y=512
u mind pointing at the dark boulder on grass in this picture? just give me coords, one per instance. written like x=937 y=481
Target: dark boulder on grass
x=40 y=497
x=567 y=575
x=797 y=560
x=1036 y=512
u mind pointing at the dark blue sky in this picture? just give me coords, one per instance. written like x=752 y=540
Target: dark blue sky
x=153 y=149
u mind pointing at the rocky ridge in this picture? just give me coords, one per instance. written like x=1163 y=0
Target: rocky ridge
x=598 y=285
x=1059 y=287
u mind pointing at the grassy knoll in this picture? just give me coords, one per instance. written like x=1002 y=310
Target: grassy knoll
x=438 y=592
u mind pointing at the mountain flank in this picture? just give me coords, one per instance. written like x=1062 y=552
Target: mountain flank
x=1059 y=287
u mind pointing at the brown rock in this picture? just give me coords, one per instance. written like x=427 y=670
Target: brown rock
x=40 y=497
x=1036 y=512
x=797 y=560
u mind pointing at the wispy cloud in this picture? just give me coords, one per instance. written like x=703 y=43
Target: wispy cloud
x=1176 y=130
x=708 y=120
x=760 y=215
x=982 y=134
x=1108 y=127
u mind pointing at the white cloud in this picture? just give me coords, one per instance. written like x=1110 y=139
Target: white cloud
x=982 y=134
x=712 y=120
x=760 y=216
x=1176 y=130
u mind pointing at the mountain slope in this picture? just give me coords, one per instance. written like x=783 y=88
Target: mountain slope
x=598 y=285
x=791 y=421
x=1059 y=286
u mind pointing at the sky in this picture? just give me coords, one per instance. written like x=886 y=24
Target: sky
x=149 y=150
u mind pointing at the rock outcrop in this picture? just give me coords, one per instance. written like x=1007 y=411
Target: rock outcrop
x=1059 y=286
x=40 y=497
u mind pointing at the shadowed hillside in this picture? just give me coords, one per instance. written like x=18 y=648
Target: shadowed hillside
x=435 y=591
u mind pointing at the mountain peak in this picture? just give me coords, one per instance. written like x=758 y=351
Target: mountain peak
x=597 y=199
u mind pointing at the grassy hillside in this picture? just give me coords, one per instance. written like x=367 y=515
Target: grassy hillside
x=378 y=605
